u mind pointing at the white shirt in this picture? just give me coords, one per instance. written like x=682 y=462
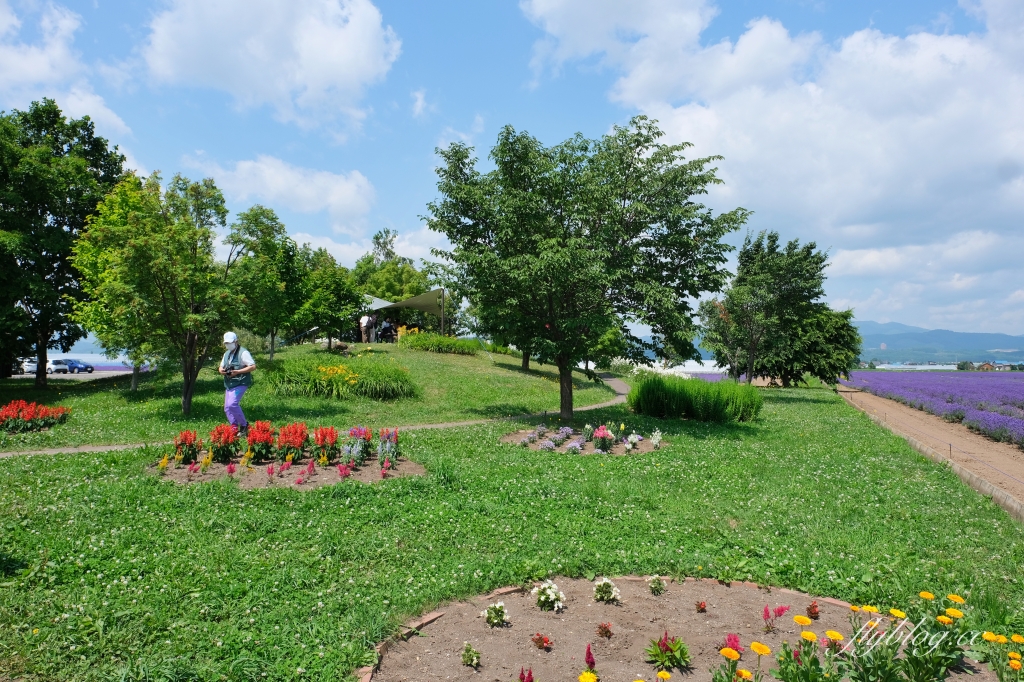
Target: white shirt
x=244 y=357
x=364 y=320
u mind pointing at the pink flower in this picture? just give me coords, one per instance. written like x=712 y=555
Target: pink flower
x=232 y=468
x=344 y=471
x=589 y=659
x=270 y=470
x=781 y=611
x=387 y=462
x=767 y=616
x=733 y=642
x=298 y=481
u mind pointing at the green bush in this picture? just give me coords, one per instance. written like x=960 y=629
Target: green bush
x=666 y=396
x=326 y=375
x=436 y=343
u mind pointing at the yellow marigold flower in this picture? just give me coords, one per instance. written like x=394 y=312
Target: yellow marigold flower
x=802 y=620
x=926 y=595
x=834 y=636
x=1018 y=639
x=896 y=613
x=988 y=636
x=955 y=598
x=663 y=675
x=954 y=613
x=871 y=624
x=854 y=608
x=760 y=649
x=1015 y=665
x=869 y=609
x=809 y=636
x=1001 y=639
x=729 y=653
x=945 y=620
x=745 y=674
x=587 y=676
x=1013 y=654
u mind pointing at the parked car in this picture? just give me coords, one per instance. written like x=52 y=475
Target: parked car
x=56 y=367
x=76 y=366
x=28 y=365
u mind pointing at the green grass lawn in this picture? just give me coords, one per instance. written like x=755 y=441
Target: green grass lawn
x=454 y=388
x=109 y=573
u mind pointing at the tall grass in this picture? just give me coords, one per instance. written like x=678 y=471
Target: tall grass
x=436 y=343
x=666 y=396
x=328 y=376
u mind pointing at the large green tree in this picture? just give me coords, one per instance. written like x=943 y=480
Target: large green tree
x=268 y=272
x=331 y=303
x=562 y=244
x=772 y=323
x=53 y=172
x=149 y=252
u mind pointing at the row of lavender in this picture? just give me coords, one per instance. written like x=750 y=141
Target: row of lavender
x=989 y=403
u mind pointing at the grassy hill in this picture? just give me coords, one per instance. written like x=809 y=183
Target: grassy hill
x=452 y=388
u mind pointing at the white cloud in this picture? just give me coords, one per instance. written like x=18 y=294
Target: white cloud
x=51 y=68
x=450 y=134
x=419 y=102
x=415 y=245
x=347 y=197
x=308 y=59
x=890 y=150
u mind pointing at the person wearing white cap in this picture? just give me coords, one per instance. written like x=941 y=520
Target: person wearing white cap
x=236 y=366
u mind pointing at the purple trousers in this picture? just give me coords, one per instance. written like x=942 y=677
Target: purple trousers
x=232 y=408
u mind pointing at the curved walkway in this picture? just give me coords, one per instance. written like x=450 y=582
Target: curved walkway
x=618 y=385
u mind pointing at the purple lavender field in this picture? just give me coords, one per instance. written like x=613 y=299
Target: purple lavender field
x=990 y=403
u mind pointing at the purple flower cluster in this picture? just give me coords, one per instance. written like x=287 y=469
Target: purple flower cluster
x=547 y=445
x=988 y=402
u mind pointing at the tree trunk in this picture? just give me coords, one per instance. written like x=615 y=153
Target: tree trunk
x=328 y=342
x=41 y=343
x=565 y=392
x=136 y=369
x=526 y=361
x=273 y=335
x=750 y=364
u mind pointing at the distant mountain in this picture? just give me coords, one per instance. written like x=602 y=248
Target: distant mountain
x=891 y=342
x=878 y=328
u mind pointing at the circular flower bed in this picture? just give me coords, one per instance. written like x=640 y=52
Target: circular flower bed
x=653 y=629
x=613 y=440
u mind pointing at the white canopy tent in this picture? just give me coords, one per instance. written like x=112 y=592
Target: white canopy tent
x=431 y=302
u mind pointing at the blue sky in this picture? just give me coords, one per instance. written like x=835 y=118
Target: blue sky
x=889 y=133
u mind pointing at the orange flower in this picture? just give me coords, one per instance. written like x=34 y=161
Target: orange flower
x=896 y=613
x=731 y=654
x=989 y=636
x=1017 y=639
x=853 y=608
x=1014 y=655
x=802 y=620
x=760 y=649
x=954 y=613
x=834 y=636
x=809 y=636
x=1001 y=639
x=744 y=674
x=1015 y=665
x=945 y=620
x=869 y=609
x=955 y=598
x=926 y=595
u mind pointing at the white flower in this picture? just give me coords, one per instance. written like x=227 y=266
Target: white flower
x=605 y=590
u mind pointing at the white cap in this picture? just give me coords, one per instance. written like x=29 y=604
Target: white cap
x=230 y=337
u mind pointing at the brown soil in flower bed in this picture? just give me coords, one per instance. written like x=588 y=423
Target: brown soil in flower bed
x=588 y=448
x=257 y=476
x=635 y=621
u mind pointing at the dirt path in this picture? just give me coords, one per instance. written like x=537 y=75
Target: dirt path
x=618 y=385
x=1000 y=464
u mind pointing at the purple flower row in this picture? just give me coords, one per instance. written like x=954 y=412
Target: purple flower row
x=990 y=403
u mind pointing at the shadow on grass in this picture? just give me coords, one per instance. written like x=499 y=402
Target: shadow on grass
x=10 y=565
x=798 y=395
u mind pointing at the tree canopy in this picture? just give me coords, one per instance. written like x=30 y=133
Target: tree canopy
x=53 y=172
x=771 y=322
x=560 y=245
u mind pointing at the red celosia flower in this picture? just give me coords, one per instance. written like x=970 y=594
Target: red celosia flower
x=733 y=642
x=344 y=471
x=293 y=437
x=781 y=611
x=325 y=436
x=260 y=432
x=526 y=675
x=589 y=658
x=231 y=468
x=224 y=434
x=298 y=481
x=270 y=470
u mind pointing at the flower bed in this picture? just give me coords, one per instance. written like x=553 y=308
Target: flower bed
x=990 y=403
x=19 y=416
x=291 y=459
x=620 y=440
x=643 y=636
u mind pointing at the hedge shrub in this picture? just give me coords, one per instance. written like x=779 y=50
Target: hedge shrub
x=436 y=343
x=667 y=396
